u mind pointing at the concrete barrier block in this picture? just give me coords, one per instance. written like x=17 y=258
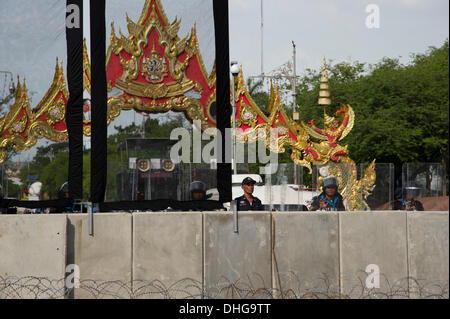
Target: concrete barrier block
x=167 y=255
x=378 y=239
x=32 y=256
x=428 y=254
x=307 y=254
x=104 y=259
x=237 y=264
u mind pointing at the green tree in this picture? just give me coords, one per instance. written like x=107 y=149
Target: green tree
x=257 y=92
x=401 y=110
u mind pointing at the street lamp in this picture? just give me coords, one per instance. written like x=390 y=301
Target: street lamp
x=12 y=88
x=235 y=68
x=235 y=72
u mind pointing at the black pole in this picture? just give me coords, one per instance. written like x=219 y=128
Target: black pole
x=223 y=97
x=98 y=101
x=74 y=114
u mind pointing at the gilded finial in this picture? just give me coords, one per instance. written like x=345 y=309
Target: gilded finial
x=277 y=103
x=154 y=49
x=324 y=93
x=271 y=97
x=113 y=32
x=24 y=85
x=19 y=88
x=193 y=35
x=240 y=79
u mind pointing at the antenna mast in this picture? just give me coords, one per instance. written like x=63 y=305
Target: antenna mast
x=262 y=40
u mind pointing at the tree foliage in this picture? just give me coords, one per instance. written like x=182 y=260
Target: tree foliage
x=401 y=110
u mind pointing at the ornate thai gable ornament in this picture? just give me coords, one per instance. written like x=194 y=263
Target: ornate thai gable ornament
x=310 y=145
x=157 y=71
x=23 y=126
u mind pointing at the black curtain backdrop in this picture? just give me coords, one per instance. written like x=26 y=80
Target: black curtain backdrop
x=74 y=115
x=142 y=205
x=223 y=96
x=161 y=204
x=99 y=101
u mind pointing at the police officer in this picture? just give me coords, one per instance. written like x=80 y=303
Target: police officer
x=330 y=199
x=63 y=191
x=408 y=201
x=63 y=194
x=198 y=190
x=247 y=201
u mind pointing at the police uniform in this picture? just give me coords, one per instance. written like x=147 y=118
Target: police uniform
x=244 y=205
x=335 y=204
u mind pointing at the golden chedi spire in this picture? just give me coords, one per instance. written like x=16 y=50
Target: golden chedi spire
x=324 y=93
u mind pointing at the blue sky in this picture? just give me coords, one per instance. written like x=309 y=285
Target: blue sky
x=335 y=29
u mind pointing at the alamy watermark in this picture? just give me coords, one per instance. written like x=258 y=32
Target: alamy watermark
x=73 y=17
x=373 y=276
x=257 y=150
x=73 y=279
x=373 y=19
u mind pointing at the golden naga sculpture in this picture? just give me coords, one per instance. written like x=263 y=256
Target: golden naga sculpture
x=333 y=132
x=300 y=138
x=354 y=191
x=310 y=145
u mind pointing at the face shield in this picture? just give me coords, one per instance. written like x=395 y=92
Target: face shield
x=410 y=192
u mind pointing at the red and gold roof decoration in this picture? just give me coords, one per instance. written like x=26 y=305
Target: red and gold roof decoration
x=86 y=85
x=23 y=126
x=156 y=70
x=310 y=145
x=86 y=68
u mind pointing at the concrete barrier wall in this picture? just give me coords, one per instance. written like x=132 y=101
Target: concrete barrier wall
x=179 y=255
x=428 y=250
x=32 y=247
x=234 y=262
x=377 y=239
x=105 y=256
x=306 y=253
x=168 y=249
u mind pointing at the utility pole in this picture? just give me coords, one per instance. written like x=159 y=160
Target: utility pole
x=296 y=116
x=12 y=89
x=262 y=39
x=285 y=73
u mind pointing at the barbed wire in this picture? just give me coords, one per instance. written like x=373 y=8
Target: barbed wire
x=30 y=287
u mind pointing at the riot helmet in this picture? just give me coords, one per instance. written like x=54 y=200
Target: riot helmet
x=197 y=187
